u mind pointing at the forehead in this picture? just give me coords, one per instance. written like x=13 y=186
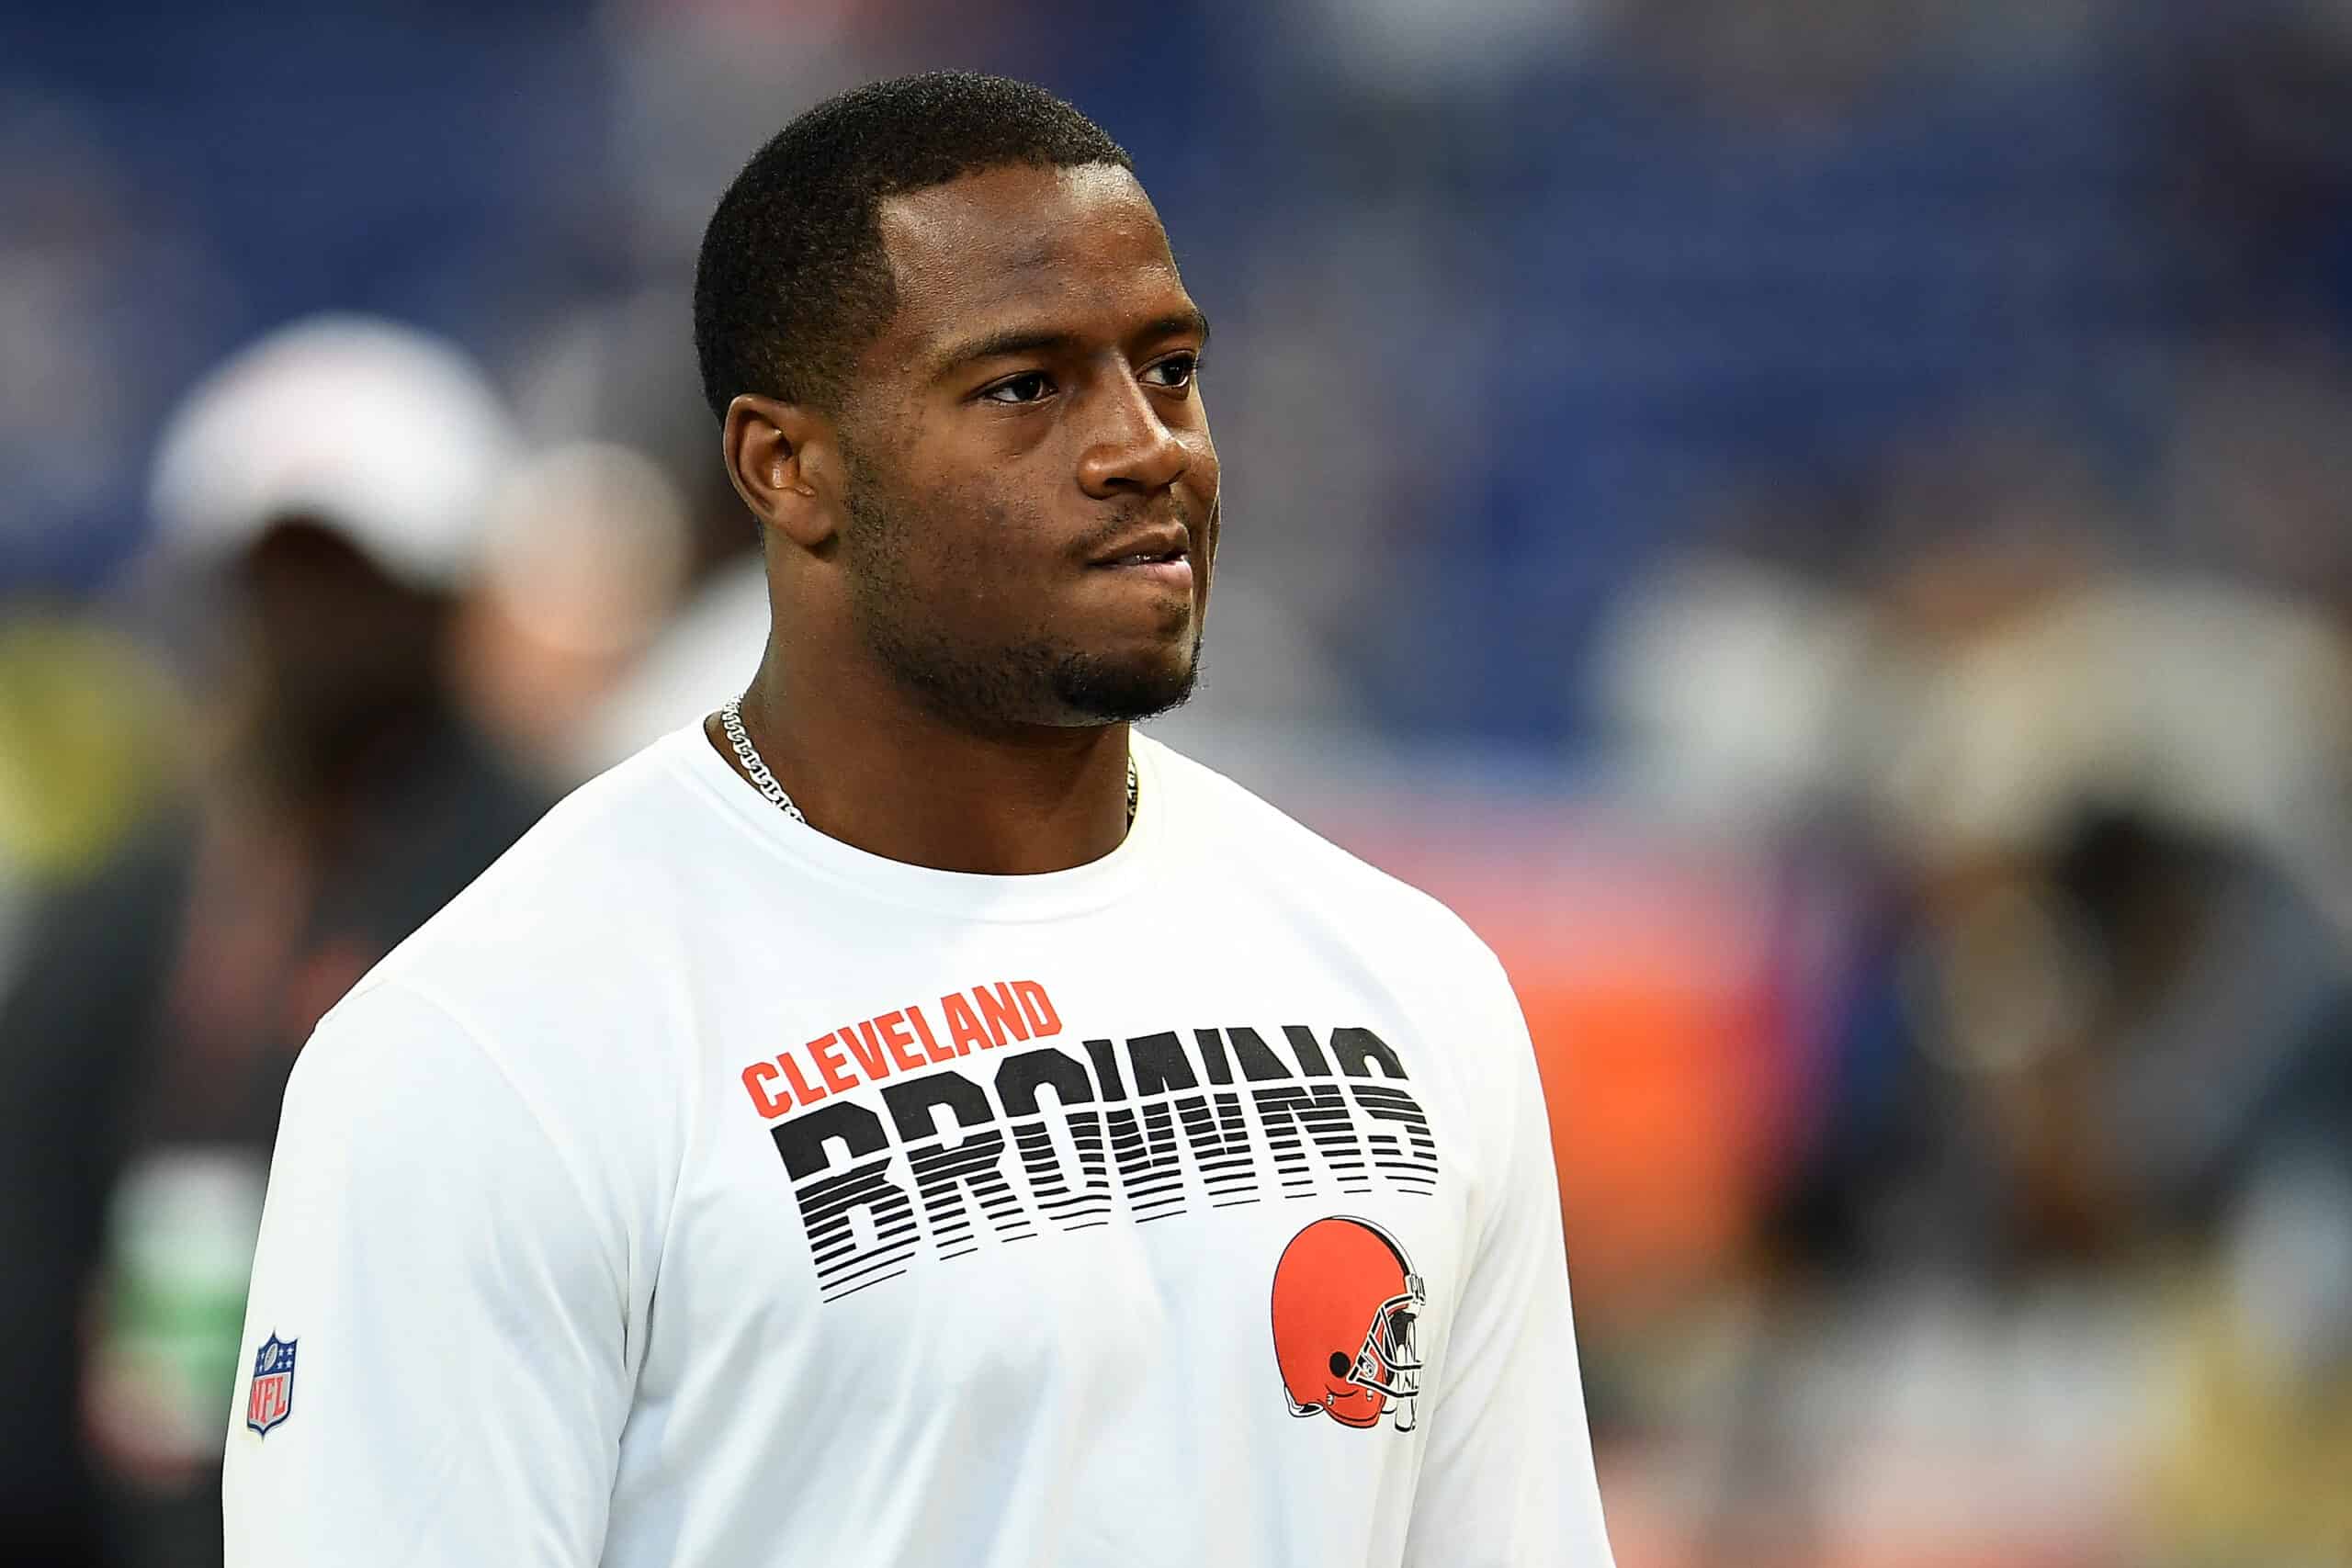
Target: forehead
x=1007 y=246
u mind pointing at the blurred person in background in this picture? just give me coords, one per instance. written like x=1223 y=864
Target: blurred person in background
x=326 y=488
x=2112 y=787
x=91 y=744
x=2063 y=1214
x=2103 y=1015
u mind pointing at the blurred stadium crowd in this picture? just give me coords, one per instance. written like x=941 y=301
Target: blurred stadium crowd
x=1824 y=528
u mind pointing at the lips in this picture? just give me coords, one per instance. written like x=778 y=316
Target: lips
x=1161 y=573
x=1161 y=544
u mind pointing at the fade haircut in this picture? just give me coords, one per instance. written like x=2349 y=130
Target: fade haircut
x=793 y=280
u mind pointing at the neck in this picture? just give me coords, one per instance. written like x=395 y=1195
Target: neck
x=888 y=778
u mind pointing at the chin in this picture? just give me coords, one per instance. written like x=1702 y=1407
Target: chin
x=1098 y=690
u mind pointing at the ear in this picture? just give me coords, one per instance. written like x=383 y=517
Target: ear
x=785 y=464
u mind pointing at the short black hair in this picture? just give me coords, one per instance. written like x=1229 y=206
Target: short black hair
x=793 y=279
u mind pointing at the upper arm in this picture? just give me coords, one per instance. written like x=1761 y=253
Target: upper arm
x=460 y=1307
x=1507 y=1480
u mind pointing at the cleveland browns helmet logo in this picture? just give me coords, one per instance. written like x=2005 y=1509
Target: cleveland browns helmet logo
x=1346 y=1306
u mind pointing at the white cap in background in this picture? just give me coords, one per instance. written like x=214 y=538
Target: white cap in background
x=392 y=438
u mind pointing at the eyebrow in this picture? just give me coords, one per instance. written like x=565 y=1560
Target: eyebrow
x=1035 y=340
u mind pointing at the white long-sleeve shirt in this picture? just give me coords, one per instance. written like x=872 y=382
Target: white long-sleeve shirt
x=699 y=1191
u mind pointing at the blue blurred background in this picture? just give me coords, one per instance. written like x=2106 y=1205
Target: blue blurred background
x=1823 y=527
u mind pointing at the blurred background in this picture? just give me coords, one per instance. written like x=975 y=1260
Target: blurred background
x=1823 y=527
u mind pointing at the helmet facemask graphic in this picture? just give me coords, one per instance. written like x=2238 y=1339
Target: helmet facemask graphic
x=1347 y=1323
x=1390 y=1360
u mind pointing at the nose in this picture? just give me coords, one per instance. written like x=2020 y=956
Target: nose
x=1131 y=449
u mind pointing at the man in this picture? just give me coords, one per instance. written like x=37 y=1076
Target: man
x=907 y=1119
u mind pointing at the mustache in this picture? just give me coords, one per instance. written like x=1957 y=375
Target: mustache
x=1200 y=524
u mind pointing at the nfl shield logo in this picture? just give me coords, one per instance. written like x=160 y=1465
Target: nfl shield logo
x=272 y=1399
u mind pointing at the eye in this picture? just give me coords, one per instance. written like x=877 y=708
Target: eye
x=1176 y=372
x=1029 y=387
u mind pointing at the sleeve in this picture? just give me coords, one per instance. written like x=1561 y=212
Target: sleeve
x=432 y=1367
x=1507 y=1480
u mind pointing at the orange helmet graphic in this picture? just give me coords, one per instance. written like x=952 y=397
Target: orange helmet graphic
x=1346 y=1304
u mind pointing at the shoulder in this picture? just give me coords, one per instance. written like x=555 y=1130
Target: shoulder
x=536 y=1010
x=539 y=1009
x=559 y=950
x=403 y=1124
x=1258 y=844
x=580 y=875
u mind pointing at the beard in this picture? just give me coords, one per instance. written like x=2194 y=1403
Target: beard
x=1019 y=681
